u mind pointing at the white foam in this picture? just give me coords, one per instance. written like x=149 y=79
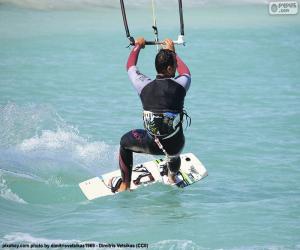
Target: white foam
x=69 y=142
x=26 y=238
x=20 y=122
x=45 y=146
x=264 y=247
x=50 y=140
x=175 y=244
x=7 y=194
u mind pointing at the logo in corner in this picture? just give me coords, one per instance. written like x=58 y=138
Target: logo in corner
x=283 y=8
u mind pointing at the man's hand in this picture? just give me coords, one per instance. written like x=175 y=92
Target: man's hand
x=169 y=44
x=140 y=41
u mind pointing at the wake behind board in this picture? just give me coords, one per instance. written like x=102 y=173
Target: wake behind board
x=191 y=171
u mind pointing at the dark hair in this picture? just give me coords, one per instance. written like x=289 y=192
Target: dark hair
x=163 y=59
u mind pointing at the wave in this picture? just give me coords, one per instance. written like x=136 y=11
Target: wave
x=25 y=238
x=20 y=122
x=28 y=242
x=68 y=143
x=39 y=149
x=41 y=156
x=176 y=244
x=36 y=138
x=7 y=194
x=267 y=247
x=77 y=4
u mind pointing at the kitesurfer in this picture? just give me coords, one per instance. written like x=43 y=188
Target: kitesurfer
x=163 y=104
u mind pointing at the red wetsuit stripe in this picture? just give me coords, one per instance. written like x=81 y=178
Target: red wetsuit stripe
x=133 y=56
x=181 y=67
x=126 y=174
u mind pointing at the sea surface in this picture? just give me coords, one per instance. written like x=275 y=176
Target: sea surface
x=65 y=101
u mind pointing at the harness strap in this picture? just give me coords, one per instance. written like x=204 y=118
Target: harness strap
x=174 y=133
x=188 y=119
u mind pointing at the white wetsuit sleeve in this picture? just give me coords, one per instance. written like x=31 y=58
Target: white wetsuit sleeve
x=184 y=80
x=139 y=81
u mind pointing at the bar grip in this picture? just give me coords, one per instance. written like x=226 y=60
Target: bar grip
x=153 y=43
x=179 y=41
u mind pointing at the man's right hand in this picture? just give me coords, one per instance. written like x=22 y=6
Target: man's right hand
x=169 y=44
x=140 y=41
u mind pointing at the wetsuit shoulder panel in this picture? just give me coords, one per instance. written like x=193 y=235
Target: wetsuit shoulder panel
x=139 y=80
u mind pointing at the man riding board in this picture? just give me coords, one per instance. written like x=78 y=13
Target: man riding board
x=163 y=105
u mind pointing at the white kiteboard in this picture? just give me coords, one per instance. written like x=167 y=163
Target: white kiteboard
x=191 y=171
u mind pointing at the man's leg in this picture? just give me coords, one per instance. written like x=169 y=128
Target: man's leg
x=173 y=165
x=137 y=141
x=174 y=146
x=125 y=164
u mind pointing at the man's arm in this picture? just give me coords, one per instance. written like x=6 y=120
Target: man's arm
x=182 y=69
x=133 y=56
x=184 y=78
x=138 y=80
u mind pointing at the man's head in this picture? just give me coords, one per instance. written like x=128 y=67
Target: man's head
x=165 y=62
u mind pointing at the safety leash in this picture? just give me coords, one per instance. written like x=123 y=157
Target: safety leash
x=161 y=147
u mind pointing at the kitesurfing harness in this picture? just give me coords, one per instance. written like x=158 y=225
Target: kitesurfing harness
x=162 y=126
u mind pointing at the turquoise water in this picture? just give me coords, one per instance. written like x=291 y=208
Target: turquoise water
x=65 y=101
